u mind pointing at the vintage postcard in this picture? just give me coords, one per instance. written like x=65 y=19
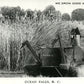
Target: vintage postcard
x=41 y=41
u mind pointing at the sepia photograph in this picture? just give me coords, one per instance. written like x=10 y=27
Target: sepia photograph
x=41 y=39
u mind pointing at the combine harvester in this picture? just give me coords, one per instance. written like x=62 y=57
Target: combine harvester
x=55 y=64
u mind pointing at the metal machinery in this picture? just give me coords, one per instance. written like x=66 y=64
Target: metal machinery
x=54 y=65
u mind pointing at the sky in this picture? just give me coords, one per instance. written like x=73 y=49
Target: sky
x=41 y=4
